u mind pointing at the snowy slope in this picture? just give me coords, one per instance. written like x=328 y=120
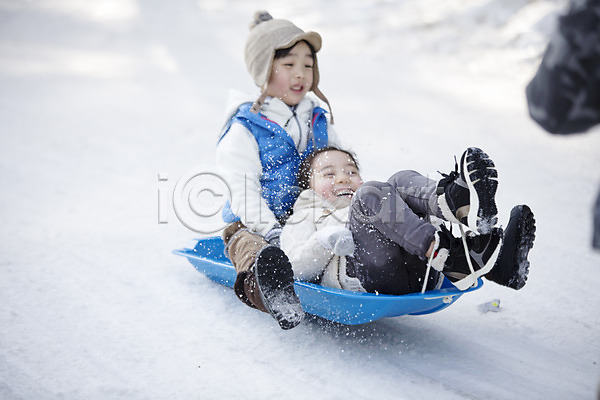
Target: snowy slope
x=99 y=98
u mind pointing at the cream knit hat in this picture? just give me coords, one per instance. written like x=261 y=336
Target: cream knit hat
x=268 y=35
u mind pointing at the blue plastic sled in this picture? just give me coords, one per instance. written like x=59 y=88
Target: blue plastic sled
x=342 y=306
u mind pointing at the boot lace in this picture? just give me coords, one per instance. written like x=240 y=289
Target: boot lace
x=465 y=248
x=448 y=178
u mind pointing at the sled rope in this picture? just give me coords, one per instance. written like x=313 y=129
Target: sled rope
x=427 y=272
x=464 y=242
x=465 y=248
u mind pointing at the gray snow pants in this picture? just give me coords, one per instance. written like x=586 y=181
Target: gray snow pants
x=389 y=224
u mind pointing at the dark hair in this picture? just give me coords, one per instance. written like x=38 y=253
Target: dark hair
x=284 y=52
x=306 y=165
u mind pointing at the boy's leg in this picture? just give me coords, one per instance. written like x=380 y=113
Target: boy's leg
x=265 y=279
x=242 y=247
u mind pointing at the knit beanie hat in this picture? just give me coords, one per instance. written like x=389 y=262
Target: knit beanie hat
x=267 y=35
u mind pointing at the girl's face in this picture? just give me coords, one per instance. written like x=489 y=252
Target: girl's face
x=292 y=76
x=334 y=174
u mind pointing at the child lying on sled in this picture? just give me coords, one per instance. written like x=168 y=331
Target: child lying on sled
x=376 y=236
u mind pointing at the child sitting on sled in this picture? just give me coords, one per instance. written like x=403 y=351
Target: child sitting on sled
x=376 y=236
x=259 y=152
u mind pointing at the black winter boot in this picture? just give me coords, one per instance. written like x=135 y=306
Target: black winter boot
x=512 y=267
x=449 y=256
x=468 y=197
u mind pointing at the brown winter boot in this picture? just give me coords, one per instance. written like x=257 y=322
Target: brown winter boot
x=265 y=279
x=242 y=246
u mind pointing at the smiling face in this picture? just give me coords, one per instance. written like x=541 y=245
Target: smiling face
x=334 y=174
x=292 y=75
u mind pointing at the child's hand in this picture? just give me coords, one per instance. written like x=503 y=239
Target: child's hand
x=337 y=239
x=273 y=236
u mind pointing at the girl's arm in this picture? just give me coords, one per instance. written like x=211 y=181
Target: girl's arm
x=239 y=161
x=299 y=242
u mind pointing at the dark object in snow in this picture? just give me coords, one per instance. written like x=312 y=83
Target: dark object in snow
x=564 y=95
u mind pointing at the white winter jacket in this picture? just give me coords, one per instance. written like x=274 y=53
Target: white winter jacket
x=238 y=156
x=310 y=260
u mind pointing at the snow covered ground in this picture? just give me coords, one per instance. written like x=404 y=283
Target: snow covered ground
x=98 y=99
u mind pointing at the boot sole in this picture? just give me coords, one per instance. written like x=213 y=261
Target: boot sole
x=512 y=268
x=481 y=177
x=275 y=280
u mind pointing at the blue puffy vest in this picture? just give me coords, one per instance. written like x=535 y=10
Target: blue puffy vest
x=279 y=158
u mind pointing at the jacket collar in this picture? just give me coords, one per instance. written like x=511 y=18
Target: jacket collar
x=279 y=112
x=311 y=199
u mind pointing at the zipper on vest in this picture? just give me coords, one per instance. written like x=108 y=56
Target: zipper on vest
x=300 y=132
